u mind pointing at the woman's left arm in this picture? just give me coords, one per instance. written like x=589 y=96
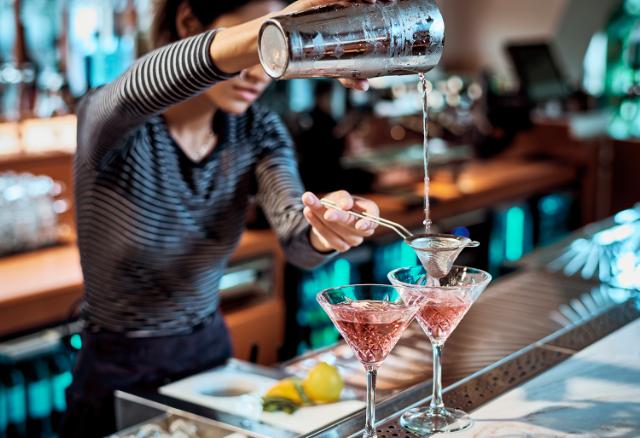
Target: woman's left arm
x=308 y=234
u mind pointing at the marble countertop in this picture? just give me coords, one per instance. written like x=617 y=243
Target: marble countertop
x=595 y=393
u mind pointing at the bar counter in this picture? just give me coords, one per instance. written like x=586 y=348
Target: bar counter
x=49 y=281
x=44 y=284
x=535 y=339
x=524 y=324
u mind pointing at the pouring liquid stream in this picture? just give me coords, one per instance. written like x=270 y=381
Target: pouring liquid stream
x=430 y=281
x=425 y=145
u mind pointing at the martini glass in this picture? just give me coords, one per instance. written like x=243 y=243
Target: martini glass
x=444 y=302
x=371 y=319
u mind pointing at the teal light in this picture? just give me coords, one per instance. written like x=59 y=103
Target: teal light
x=551 y=205
x=16 y=399
x=76 y=341
x=514 y=233
x=554 y=216
x=632 y=6
x=628 y=110
x=336 y=274
x=300 y=95
x=324 y=337
x=16 y=403
x=39 y=395
x=391 y=256
x=496 y=248
x=4 y=406
x=59 y=385
x=341 y=273
x=407 y=255
x=310 y=314
x=618 y=128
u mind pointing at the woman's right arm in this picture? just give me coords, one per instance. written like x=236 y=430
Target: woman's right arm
x=154 y=83
x=165 y=77
x=159 y=80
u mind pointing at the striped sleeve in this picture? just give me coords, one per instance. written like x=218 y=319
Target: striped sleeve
x=279 y=193
x=157 y=81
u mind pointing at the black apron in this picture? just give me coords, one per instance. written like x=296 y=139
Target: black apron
x=111 y=361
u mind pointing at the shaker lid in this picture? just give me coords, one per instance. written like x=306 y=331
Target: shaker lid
x=273 y=49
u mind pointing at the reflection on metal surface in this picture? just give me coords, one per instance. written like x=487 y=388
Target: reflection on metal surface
x=474 y=391
x=608 y=252
x=487 y=386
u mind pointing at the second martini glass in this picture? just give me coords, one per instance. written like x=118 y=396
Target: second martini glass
x=444 y=303
x=371 y=319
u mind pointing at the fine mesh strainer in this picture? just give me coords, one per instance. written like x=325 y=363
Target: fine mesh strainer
x=437 y=252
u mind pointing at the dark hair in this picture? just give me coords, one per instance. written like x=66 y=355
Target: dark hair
x=164 y=29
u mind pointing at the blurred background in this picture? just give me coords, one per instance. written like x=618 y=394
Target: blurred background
x=534 y=133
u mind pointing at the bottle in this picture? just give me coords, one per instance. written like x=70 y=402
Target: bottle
x=360 y=41
x=39 y=399
x=4 y=407
x=622 y=83
x=15 y=393
x=60 y=367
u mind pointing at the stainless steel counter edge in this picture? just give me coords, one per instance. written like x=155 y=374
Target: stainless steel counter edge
x=513 y=370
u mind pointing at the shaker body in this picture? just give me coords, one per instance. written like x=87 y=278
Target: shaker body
x=360 y=41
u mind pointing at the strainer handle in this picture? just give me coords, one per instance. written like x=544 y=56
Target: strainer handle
x=399 y=229
x=472 y=244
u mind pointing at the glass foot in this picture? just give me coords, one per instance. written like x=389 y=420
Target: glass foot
x=426 y=421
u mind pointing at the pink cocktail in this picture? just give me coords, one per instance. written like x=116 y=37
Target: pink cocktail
x=444 y=302
x=439 y=318
x=371 y=328
x=371 y=319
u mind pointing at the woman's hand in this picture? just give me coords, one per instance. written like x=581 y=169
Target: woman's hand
x=303 y=5
x=335 y=230
x=236 y=48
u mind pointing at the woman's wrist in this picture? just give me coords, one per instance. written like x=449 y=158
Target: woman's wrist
x=236 y=48
x=317 y=244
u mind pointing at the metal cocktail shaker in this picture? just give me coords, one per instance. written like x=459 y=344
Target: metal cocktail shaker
x=361 y=41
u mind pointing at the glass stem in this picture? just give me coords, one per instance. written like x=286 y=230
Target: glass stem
x=436 y=398
x=370 y=424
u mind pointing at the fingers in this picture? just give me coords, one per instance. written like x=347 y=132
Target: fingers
x=365 y=228
x=356 y=84
x=345 y=201
x=342 y=222
x=337 y=229
x=310 y=200
x=328 y=214
x=342 y=199
x=328 y=238
x=303 y=5
x=371 y=208
x=341 y=241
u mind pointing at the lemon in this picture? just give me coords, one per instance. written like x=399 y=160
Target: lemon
x=286 y=389
x=323 y=384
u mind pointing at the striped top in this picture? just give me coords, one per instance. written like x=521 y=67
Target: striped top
x=155 y=229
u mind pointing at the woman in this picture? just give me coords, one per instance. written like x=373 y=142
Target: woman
x=168 y=156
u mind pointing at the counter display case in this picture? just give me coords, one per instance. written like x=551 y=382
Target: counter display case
x=179 y=425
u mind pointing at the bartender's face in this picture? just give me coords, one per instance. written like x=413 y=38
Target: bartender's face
x=237 y=94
